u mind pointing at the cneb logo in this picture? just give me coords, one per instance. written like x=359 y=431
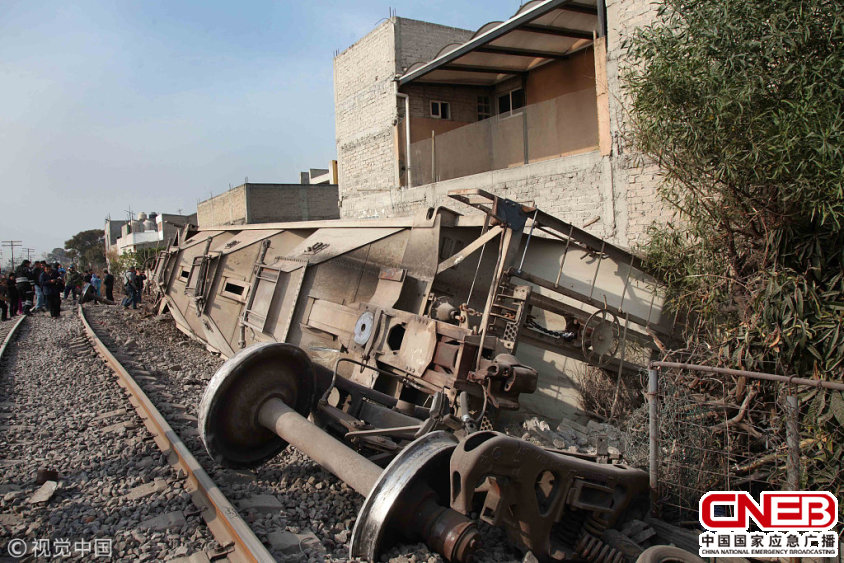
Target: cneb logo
x=790 y=510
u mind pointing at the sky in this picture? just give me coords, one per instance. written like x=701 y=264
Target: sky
x=153 y=105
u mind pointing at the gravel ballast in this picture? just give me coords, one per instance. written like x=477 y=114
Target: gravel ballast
x=62 y=410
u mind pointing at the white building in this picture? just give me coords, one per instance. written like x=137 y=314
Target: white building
x=147 y=231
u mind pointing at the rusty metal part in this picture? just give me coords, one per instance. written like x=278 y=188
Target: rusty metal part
x=222 y=518
x=504 y=379
x=228 y=419
x=601 y=336
x=403 y=500
x=248 y=395
x=595 y=550
x=530 y=492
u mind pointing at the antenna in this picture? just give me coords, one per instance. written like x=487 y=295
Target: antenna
x=12 y=244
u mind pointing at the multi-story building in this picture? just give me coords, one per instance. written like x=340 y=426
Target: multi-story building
x=530 y=108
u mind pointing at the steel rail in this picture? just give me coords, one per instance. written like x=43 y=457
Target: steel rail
x=10 y=335
x=226 y=525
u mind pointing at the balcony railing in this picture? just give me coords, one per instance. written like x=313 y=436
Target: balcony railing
x=567 y=124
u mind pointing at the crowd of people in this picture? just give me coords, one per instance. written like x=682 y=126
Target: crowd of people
x=40 y=286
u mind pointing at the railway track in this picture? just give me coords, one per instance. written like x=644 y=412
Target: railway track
x=7 y=333
x=297 y=510
x=225 y=523
x=294 y=506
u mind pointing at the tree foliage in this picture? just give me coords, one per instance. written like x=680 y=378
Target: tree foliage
x=87 y=247
x=59 y=255
x=740 y=103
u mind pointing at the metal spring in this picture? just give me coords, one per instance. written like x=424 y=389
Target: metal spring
x=570 y=531
x=595 y=550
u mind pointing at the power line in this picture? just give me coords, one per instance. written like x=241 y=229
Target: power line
x=12 y=244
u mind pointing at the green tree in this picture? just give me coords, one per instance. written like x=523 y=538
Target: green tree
x=88 y=248
x=58 y=255
x=740 y=103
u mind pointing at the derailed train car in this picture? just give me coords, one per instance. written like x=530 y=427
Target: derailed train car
x=395 y=336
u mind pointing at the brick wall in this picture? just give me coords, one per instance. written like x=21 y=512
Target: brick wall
x=228 y=208
x=270 y=203
x=574 y=188
x=365 y=103
x=295 y=202
x=620 y=189
x=635 y=179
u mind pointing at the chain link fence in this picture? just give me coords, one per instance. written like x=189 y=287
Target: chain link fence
x=724 y=433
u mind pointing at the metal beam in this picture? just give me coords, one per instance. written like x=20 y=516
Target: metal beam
x=558 y=31
x=484 y=69
x=516 y=52
x=580 y=8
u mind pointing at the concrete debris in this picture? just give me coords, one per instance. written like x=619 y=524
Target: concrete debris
x=44 y=493
x=111 y=414
x=169 y=521
x=309 y=543
x=260 y=503
x=198 y=557
x=284 y=542
x=157 y=486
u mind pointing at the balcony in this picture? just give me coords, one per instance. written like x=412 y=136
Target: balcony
x=561 y=126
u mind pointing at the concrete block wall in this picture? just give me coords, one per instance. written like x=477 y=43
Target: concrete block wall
x=294 y=202
x=364 y=108
x=463 y=101
x=635 y=178
x=228 y=208
x=420 y=42
x=574 y=188
x=270 y=203
x=365 y=101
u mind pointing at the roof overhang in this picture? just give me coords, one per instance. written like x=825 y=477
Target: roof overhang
x=540 y=32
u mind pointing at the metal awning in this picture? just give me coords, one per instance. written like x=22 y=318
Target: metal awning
x=540 y=32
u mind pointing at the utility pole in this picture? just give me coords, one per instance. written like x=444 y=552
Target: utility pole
x=12 y=244
x=29 y=252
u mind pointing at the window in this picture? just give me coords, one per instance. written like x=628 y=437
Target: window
x=511 y=101
x=484 y=108
x=440 y=110
x=233 y=289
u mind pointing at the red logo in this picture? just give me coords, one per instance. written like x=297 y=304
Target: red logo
x=788 y=510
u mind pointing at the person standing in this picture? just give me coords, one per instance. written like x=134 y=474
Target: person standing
x=131 y=288
x=12 y=294
x=37 y=270
x=74 y=282
x=96 y=282
x=51 y=286
x=4 y=298
x=24 y=284
x=108 y=282
x=140 y=277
